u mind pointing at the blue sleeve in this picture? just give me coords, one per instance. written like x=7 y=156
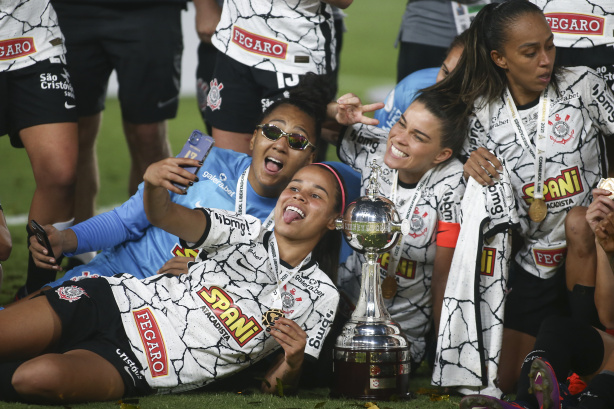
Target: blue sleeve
x=126 y=222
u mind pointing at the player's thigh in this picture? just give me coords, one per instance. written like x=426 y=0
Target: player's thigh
x=74 y=376
x=53 y=151
x=148 y=62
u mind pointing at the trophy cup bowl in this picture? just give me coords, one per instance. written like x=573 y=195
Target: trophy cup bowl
x=371 y=355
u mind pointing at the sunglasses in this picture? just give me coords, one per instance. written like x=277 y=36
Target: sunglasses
x=295 y=140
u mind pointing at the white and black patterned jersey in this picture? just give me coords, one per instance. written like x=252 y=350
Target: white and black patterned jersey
x=29 y=32
x=190 y=330
x=474 y=302
x=583 y=109
x=579 y=23
x=286 y=36
x=440 y=201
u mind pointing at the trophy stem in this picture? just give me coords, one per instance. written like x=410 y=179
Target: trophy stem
x=370 y=306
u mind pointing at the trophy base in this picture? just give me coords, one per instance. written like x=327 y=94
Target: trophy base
x=379 y=374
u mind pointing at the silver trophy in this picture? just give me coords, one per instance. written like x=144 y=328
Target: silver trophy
x=371 y=356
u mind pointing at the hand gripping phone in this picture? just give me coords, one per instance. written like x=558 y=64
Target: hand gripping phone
x=41 y=236
x=196 y=147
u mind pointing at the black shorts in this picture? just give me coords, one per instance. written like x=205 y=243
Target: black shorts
x=39 y=94
x=91 y=321
x=207 y=54
x=238 y=94
x=142 y=42
x=531 y=299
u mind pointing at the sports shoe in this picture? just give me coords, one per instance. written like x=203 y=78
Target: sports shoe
x=488 y=402
x=544 y=385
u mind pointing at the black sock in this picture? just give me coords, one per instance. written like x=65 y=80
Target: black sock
x=568 y=346
x=582 y=305
x=599 y=394
x=7 y=392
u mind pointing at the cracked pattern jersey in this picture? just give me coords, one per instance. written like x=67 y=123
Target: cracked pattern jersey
x=29 y=33
x=579 y=23
x=190 y=330
x=580 y=113
x=411 y=307
x=288 y=36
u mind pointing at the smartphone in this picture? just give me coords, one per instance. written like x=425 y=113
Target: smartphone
x=41 y=236
x=196 y=147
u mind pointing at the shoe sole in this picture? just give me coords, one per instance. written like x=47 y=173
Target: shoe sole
x=546 y=387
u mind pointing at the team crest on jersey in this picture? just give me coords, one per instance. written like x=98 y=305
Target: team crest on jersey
x=288 y=299
x=72 y=293
x=227 y=317
x=561 y=130
x=214 y=98
x=558 y=190
x=416 y=224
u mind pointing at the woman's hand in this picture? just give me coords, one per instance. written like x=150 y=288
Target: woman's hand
x=292 y=339
x=40 y=255
x=349 y=110
x=483 y=166
x=176 y=266
x=597 y=211
x=169 y=170
x=604 y=232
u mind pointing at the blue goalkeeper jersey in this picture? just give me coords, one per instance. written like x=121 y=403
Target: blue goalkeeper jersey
x=399 y=99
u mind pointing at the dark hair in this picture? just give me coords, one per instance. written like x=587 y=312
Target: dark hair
x=458 y=41
x=326 y=252
x=451 y=116
x=311 y=96
x=476 y=74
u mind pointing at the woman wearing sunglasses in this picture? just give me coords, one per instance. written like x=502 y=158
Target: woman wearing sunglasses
x=226 y=180
x=421 y=175
x=255 y=293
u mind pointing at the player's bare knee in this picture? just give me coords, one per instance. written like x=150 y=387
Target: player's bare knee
x=38 y=378
x=577 y=230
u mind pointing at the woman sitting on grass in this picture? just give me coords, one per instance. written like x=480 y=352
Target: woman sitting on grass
x=252 y=292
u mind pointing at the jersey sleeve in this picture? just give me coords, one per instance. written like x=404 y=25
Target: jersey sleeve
x=225 y=228
x=474 y=139
x=319 y=323
x=600 y=102
x=358 y=142
x=448 y=210
x=124 y=223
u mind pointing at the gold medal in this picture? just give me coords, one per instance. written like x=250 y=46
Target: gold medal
x=538 y=210
x=389 y=287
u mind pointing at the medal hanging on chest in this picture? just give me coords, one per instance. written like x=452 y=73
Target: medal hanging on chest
x=538 y=210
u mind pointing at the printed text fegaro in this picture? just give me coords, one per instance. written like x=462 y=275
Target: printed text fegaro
x=257 y=44
x=573 y=23
x=152 y=341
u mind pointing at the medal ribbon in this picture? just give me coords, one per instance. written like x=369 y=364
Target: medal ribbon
x=395 y=254
x=275 y=263
x=539 y=153
x=241 y=201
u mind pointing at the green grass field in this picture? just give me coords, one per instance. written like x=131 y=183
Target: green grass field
x=368 y=61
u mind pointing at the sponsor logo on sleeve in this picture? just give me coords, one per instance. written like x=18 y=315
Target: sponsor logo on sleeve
x=16 y=48
x=575 y=23
x=487 y=264
x=228 y=317
x=325 y=323
x=558 y=190
x=369 y=144
x=153 y=343
x=549 y=257
x=257 y=44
